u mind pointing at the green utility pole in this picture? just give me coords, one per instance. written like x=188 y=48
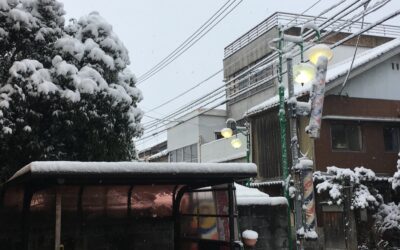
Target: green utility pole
x=247 y=142
x=282 y=125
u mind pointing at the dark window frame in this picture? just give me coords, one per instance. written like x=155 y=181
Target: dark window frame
x=347 y=148
x=396 y=147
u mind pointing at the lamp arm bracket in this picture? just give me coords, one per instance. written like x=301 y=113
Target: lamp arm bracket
x=272 y=44
x=311 y=26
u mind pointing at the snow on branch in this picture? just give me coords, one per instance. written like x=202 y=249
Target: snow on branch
x=396 y=177
x=387 y=219
x=337 y=179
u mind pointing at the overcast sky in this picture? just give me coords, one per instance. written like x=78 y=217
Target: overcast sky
x=152 y=29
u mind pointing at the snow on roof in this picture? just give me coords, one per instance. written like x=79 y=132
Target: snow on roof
x=136 y=169
x=158 y=155
x=252 y=196
x=267 y=183
x=334 y=72
x=299 y=90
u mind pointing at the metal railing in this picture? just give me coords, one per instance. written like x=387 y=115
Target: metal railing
x=257 y=77
x=282 y=18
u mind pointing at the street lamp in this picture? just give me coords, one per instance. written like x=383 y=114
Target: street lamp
x=315 y=52
x=226 y=132
x=232 y=129
x=303 y=73
x=236 y=143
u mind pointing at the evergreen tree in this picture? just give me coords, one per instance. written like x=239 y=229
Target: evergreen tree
x=65 y=92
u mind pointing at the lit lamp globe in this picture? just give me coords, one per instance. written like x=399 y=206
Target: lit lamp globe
x=236 y=143
x=319 y=50
x=303 y=73
x=226 y=132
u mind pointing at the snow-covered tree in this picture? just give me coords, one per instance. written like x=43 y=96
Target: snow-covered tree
x=364 y=195
x=396 y=177
x=387 y=219
x=65 y=92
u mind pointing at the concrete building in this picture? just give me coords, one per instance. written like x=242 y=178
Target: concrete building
x=155 y=153
x=252 y=48
x=198 y=139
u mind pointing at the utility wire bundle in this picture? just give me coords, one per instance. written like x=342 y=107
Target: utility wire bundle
x=332 y=25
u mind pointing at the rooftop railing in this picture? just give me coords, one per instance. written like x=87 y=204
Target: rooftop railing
x=282 y=18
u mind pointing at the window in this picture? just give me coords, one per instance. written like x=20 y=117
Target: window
x=185 y=154
x=179 y=155
x=172 y=156
x=194 y=153
x=346 y=137
x=391 y=138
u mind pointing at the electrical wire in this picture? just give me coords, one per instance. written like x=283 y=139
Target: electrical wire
x=199 y=100
x=245 y=72
x=172 y=59
x=323 y=12
x=343 y=40
x=185 y=92
x=355 y=51
x=259 y=64
x=190 y=38
x=302 y=13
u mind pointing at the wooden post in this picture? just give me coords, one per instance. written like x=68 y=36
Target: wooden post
x=349 y=218
x=57 y=238
x=231 y=216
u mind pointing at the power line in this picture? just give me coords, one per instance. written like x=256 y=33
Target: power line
x=185 y=92
x=191 y=117
x=184 y=43
x=204 y=97
x=355 y=52
x=302 y=13
x=263 y=62
x=179 y=54
x=336 y=44
x=325 y=11
x=193 y=40
x=268 y=60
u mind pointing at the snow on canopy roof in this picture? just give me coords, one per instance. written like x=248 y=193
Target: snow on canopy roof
x=252 y=196
x=74 y=169
x=334 y=72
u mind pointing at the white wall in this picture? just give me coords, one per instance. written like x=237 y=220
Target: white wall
x=343 y=52
x=379 y=82
x=183 y=134
x=222 y=151
x=209 y=125
x=198 y=129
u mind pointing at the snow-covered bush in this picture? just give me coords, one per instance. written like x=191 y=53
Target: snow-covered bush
x=65 y=91
x=387 y=220
x=396 y=177
x=337 y=179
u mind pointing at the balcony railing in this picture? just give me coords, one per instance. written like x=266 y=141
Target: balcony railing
x=281 y=18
